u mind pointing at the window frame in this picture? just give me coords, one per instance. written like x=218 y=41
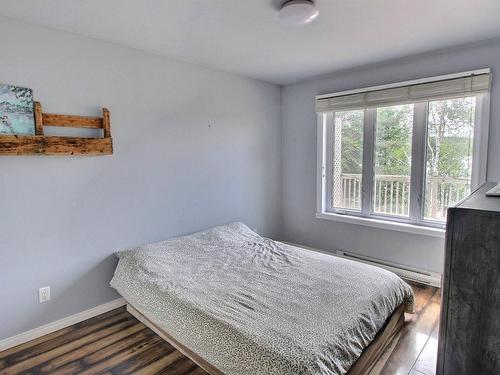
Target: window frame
x=415 y=223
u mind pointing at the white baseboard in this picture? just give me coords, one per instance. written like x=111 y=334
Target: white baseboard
x=21 y=338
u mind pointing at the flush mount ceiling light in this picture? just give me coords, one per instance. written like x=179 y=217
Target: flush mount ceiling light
x=298 y=12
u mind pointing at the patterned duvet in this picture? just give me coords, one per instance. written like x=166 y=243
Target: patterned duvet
x=250 y=305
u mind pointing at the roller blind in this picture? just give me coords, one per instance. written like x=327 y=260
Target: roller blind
x=441 y=89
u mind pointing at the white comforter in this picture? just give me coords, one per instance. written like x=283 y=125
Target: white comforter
x=250 y=305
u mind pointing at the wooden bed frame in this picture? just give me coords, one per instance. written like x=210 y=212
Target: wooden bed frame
x=363 y=366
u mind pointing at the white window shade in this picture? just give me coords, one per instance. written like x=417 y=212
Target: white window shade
x=440 y=89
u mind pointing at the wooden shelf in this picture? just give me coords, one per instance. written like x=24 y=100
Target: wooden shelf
x=54 y=145
x=59 y=145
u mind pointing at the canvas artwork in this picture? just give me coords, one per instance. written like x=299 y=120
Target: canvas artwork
x=16 y=110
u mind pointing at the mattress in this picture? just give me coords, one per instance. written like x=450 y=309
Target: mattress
x=250 y=305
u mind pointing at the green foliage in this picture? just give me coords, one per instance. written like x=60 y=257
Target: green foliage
x=450 y=132
x=393 y=140
x=449 y=142
x=453 y=160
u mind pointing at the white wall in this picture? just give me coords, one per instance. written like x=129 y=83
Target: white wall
x=61 y=218
x=299 y=155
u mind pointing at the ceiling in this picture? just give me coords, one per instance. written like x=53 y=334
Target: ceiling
x=246 y=36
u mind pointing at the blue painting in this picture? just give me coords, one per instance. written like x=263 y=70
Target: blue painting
x=16 y=110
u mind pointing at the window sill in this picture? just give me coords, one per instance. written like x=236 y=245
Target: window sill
x=383 y=224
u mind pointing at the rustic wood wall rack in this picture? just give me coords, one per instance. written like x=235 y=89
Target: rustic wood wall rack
x=60 y=145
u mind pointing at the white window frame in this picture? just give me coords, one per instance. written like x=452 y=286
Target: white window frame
x=414 y=223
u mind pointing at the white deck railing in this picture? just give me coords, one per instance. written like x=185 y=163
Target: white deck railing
x=392 y=194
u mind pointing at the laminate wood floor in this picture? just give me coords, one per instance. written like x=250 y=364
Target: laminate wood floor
x=117 y=343
x=415 y=352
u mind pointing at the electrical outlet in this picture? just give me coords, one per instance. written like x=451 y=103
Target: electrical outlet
x=44 y=294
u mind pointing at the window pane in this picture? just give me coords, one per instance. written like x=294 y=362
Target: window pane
x=450 y=132
x=347 y=160
x=393 y=136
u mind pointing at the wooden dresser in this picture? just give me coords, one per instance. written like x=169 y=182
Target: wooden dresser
x=469 y=337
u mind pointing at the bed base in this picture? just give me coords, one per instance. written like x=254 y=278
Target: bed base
x=212 y=370
x=370 y=356
x=363 y=366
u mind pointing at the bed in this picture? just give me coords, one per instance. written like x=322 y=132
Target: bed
x=237 y=303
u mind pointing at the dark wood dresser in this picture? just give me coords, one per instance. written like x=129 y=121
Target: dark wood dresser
x=469 y=336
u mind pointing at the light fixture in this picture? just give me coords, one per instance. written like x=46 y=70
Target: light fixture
x=298 y=12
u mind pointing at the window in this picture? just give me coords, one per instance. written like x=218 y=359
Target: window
x=347 y=160
x=393 y=130
x=403 y=152
x=449 y=152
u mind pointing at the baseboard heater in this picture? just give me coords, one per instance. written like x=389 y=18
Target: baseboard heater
x=405 y=272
